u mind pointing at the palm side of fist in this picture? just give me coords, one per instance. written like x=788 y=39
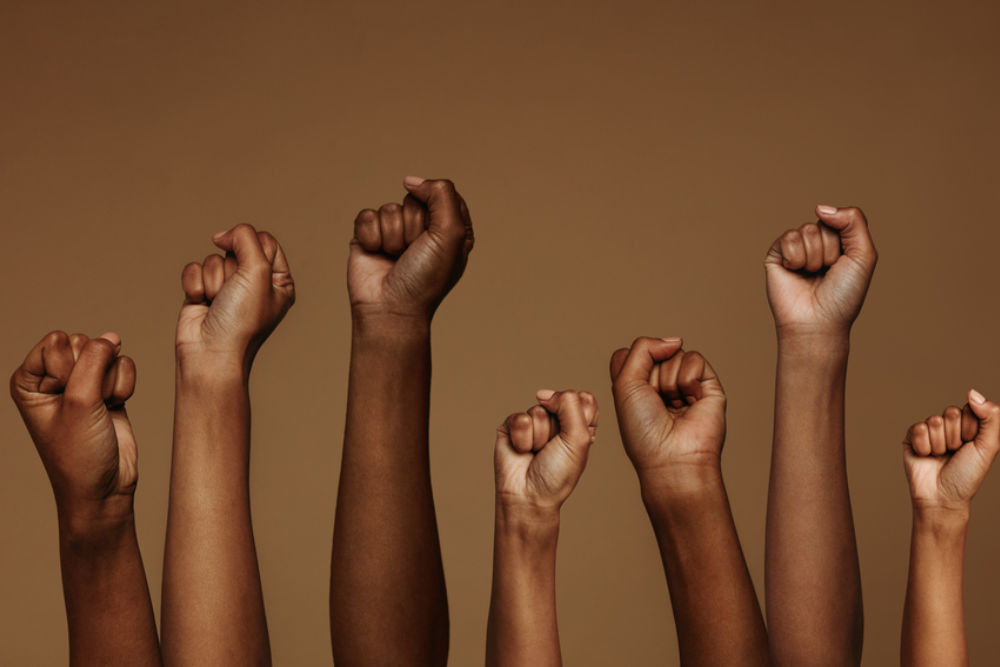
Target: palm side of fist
x=406 y=258
x=671 y=406
x=71 y=394
x=947 y=456
x=540 y=454
x=233 y=303
x=818 y=275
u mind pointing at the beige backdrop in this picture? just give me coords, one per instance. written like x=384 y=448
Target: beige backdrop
x=627 y=165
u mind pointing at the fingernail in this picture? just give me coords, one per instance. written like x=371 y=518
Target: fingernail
x=671 y=340
x=218 y=234
x=413 y=181
x=976 y=397
x=545 y=394
x=112 y=338
x=691 y=399
x=827 y=210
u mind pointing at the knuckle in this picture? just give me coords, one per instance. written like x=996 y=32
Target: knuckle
x=392 y=208
x=366 y=216
x=244 y=228
x=54 y=338
x=443 y=186
x=936 y=420
x=952 y=412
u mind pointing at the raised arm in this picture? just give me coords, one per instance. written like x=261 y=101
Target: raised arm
x=213 y=607
x=946 y=459
x=71 y=393
x=817 y=278
x=388 y=604
x=539 y=457
x=672 y=414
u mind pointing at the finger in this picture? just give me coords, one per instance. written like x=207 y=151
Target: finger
x=569 y=412
x=229 y=266
x=617 y=361
x=192 y=283
x=689 y=377
x=85 y=382
x=639 y=361
x=544 y=427
x=242 y=241
x=444 y=212
x=281 y=273
x=668 y=379
x=414 y=218
x=76 y=343
x=812 y=241
x=988 y=413
x=47 y=367
x=918 y=438
x=793 y=250
x=124 y=385
x=213 y=275
x=367 y=231
x=935 y=431
x=970 y=424
x=831 y=244
x=591 y=411
x=852 y=225
x=390 y=218
x=952 y=428
x=518 y=427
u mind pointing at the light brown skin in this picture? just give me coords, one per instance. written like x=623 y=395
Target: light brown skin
x=388 y=603
x=538 y=458
x=672 y=415
x=71 y=393
x=213 y=607
x=946 y=458
x=817 y=278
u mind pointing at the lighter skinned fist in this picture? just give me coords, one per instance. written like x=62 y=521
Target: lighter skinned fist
x=947 y=457
x=71 y=393
x=406 y=258
x=233 y=303
x=540 y=454
x=818 y=274
x=671 y=407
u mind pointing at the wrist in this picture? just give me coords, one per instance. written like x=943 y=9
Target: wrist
x=369 y=323
x=96 y=523
x=815 y=344
x=212 y=369
x=941 y=518
x=680 y=483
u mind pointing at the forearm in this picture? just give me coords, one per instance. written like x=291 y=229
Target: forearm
x=933 y=618
x=213 y=606
x=813 y=577
x=522 y=628
x=388 y=603
x=109 y=613
x=715 y=607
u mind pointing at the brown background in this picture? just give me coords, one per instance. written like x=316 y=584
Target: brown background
x=627 y=165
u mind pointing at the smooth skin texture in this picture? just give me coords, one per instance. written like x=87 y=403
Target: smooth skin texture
x=672 y=414
x=817 y=279
x=388 y=603
x=946 y=458
x=538 y=459
x=213 y=606
x=71 y=393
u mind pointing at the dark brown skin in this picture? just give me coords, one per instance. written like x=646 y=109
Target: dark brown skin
x=539 y=457
x=946 y=459
x=71 y=393
x=388 y=603
x=672 y=415
x=817 y=278
x=213 y=607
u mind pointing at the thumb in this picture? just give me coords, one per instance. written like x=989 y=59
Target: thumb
x=852 y=225
x=242 y=241
x=569 y=410
x=988 y=414
x=444 y=206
